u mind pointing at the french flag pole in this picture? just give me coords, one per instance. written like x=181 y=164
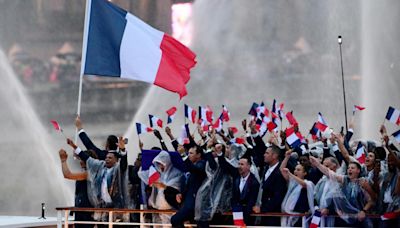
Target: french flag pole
x=83 y=58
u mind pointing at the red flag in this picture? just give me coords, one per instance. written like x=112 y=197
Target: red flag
x=239 y=140
x=233 y=129
x=291 y=119
x=271 y=126
x=56 y=125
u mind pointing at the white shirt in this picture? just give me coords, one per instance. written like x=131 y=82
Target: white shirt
x=270 y=170
x=104 y=188
x=243 y=182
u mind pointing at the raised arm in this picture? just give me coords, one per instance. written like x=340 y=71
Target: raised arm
x=339 y=138
x=285 y=172
x=325 y=170
x=65 y=169
x=159 y=137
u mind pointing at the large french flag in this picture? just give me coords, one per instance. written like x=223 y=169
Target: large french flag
x=393 y=115
x=121 y=45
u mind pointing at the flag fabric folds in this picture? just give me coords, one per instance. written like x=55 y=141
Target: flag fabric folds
x=141 y=128
x=357 y=108
x=121 y=45
x=155 y=121
x=316 y=219
x=393 y=115
x=292 y=138
x=360 y=153
x=237 y=213
x=292 y=121
x=396 y=135
x=226 y=114
x=153 y=175
x=190 y=113
x=171 y=114
x=56 y=125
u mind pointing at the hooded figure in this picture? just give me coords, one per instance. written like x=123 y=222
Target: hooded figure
x=169 y=177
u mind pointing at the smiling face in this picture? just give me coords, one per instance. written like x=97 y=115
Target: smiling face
x=370 y=160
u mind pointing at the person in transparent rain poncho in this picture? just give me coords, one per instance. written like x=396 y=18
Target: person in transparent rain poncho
x=352 y=196
x=299 y=196
x=169 y=177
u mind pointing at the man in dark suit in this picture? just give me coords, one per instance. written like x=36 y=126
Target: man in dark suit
x=245 y=186
x=274 y=187
x=111 y=143
x=195 y=166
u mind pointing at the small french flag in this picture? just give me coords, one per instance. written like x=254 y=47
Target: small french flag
x=280 y=111
x=292 y=138
x=360 y=153
x=393 y=115
x=171 y=114
x=396 y=135
x=226 y=114
x=237 y=214
x=205 y=114
x=253 y=109
x=260 y=109
x=292 y=121
x=390 y=215
x=357 y=108
x=140 y=128
x=56 y=125
x=153 y=175
x=320 y=126
x=321 y=119
x=314 y=131
x=218 y=124
x=271 y=126
x=316 y=219
x=190 y=113
x=155 y=121
x=240 y=140
x=233 y=129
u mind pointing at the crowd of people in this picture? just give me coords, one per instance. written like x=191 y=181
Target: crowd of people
x=213 y=172
x=62 y=68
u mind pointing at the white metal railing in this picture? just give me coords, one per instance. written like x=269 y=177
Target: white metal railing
x=66 y=220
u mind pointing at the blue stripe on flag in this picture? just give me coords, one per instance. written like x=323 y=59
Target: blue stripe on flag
x=106 y=29
x=149 y=155
x=389 y=113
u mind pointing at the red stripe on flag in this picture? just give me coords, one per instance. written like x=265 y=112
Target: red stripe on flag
x=320 y=126
x=171 y=111
x=176 y=62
